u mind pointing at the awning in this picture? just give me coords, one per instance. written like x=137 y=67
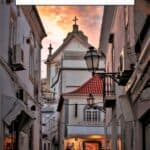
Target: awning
x=13 y=108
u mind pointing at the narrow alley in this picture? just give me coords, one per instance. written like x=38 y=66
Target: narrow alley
x=75 y=77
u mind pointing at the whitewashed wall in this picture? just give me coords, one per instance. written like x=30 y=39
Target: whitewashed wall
x=23 y=76
x=82 y=102
x=74 y=45
x=71 y=56
x=7 y=85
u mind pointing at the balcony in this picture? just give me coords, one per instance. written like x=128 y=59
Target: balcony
x=140 y=78
x=85 y=129
x=109 y=93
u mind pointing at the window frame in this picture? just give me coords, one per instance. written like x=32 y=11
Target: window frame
x=92 y=115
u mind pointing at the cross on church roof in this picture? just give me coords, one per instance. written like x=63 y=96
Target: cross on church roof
x=50 y=48
x=75 y=19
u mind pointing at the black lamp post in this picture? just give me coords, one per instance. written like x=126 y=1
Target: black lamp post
x=93 y=59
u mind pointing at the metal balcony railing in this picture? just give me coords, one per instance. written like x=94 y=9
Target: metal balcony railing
x=109 y=92
x=91 y=123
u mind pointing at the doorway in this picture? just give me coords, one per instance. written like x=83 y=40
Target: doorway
x=146 y=131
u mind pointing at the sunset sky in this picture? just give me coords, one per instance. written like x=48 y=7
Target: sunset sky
x=57 y=21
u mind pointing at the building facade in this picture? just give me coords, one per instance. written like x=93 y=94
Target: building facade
x=84 y=124
x=49 y=110
x=49 y=127
x=20 y=77
x=125 y=40
x=67 y=72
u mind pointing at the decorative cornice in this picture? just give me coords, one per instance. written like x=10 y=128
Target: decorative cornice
x=74 y=55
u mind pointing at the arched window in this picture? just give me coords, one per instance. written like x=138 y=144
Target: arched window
x=91 y=115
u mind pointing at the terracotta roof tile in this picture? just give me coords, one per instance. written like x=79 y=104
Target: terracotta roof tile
x=94 y=85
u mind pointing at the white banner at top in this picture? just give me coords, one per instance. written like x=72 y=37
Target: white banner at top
x=75 y=2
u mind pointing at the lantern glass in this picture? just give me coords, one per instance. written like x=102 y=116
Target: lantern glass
x=92 y=59
x=102 y=61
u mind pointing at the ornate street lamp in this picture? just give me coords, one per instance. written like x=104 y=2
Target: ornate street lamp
x=91 y=103
x=93 y=59
x=90 y=100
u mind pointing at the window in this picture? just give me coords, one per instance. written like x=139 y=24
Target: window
x=20 y=94
x=91 y=115
x=76 y=110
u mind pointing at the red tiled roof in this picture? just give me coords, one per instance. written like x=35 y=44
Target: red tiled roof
x=94 y=86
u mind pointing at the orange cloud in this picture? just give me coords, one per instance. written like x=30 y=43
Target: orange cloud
x=57 y=21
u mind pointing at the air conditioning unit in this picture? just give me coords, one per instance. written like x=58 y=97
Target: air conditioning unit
x=126 y=66
x=17 y=58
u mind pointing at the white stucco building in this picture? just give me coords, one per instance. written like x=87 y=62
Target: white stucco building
x=49 y=115
x=20 y=45
x=66 y=71
x=125 y=40
x=84 y=125
x=49 y=127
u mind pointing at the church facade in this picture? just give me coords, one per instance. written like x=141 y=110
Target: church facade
x=66 y=70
